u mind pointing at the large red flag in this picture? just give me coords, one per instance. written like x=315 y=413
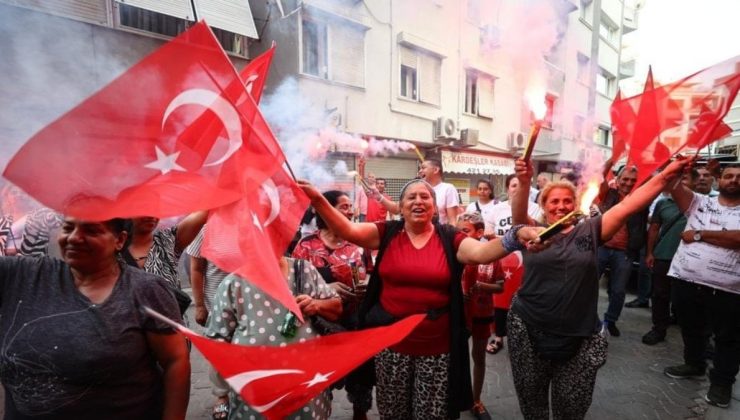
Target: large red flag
x=685 y=113
x=248 y=236
x=254 y=74
x=137 y=146
x=277 y=381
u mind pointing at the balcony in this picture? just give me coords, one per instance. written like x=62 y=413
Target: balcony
x=627 y=69
x=629 y=21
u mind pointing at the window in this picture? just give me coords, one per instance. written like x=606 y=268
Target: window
x=479 y=90
x=602 y=136
x=150 y=21
x=584 y=67
x=420 y=76
x=587 y=10
x=315 y=47
x=471 y=92
x=333 y=51
x=608 y=31
x=605 y=83
x=170 y=25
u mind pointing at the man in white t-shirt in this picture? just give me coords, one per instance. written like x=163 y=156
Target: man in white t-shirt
x=500 y=215
x=706 y=284
x=448 y=201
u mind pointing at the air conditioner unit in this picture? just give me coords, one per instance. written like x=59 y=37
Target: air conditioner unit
x=445 y=129
x=515 y=141
x=468 y=137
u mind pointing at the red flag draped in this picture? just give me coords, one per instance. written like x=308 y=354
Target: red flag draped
x=144 y=144
x=685 y=113
x=279 y=380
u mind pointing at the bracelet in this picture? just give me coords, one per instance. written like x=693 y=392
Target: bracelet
x=510 y=242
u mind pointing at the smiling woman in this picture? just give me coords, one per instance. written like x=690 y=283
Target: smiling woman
x=418 y=270
x=74 y=329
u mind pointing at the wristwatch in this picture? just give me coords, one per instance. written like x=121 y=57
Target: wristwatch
x=697 y=236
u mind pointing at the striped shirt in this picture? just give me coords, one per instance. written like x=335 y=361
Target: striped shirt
x=214 y=275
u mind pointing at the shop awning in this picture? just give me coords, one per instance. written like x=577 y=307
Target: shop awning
x=476 y=164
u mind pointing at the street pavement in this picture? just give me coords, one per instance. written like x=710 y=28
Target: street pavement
x=630 y=386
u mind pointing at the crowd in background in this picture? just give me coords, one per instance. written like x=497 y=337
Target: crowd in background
x=481 y=271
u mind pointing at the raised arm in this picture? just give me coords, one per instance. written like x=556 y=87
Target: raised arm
x=188 y=229
x=683 y=196
x=614 y=218
x=364 y=235
x=520 y=199
x=472 y=251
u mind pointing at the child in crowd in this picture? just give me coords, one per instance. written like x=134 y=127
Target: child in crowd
x=479 y=282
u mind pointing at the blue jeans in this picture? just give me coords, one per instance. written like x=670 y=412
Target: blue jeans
x=644 y=280
x=620 y=265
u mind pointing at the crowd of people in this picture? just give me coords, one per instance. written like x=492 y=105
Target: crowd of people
x=76 y=344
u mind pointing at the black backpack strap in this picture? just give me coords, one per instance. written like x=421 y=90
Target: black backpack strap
x=477 y=207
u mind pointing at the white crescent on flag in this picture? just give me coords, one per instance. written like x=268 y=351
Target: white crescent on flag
x=223 y=109
x=243 y=379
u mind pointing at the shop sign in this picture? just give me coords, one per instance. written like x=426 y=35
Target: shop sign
x=475 y=164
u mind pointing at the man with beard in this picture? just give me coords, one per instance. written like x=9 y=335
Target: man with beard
x=706 y=287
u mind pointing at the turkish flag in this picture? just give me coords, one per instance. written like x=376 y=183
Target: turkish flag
x=277 y=381
x=254 y=75
x=686 y=113
x=513 y=268
x=144 y=143
x=248 y=236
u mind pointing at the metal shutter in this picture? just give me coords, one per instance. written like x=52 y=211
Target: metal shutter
x=485 y=95
x=347 y=54
x=409 y=57
x=230 y=15
x=87 y=10
x=182 y=9
x=429 y=78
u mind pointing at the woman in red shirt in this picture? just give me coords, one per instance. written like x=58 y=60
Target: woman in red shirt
x=418 y=269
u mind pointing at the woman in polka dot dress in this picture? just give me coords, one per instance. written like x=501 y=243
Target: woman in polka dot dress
x=243 y=314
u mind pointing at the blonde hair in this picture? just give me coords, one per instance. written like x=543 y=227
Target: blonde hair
x=547 y=189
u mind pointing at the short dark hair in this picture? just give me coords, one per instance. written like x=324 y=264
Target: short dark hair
x=381 y=179
x=436 y=163
x=509 y=178
x=332 y=196
x=487 y=182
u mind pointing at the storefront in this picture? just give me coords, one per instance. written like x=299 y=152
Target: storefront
x=463 y=169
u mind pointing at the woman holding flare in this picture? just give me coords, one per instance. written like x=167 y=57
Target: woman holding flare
x=418 y=270
x=555 y=338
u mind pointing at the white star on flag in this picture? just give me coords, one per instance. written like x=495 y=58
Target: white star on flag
x=165 y=163
x=317 y=378
x=507 y=274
